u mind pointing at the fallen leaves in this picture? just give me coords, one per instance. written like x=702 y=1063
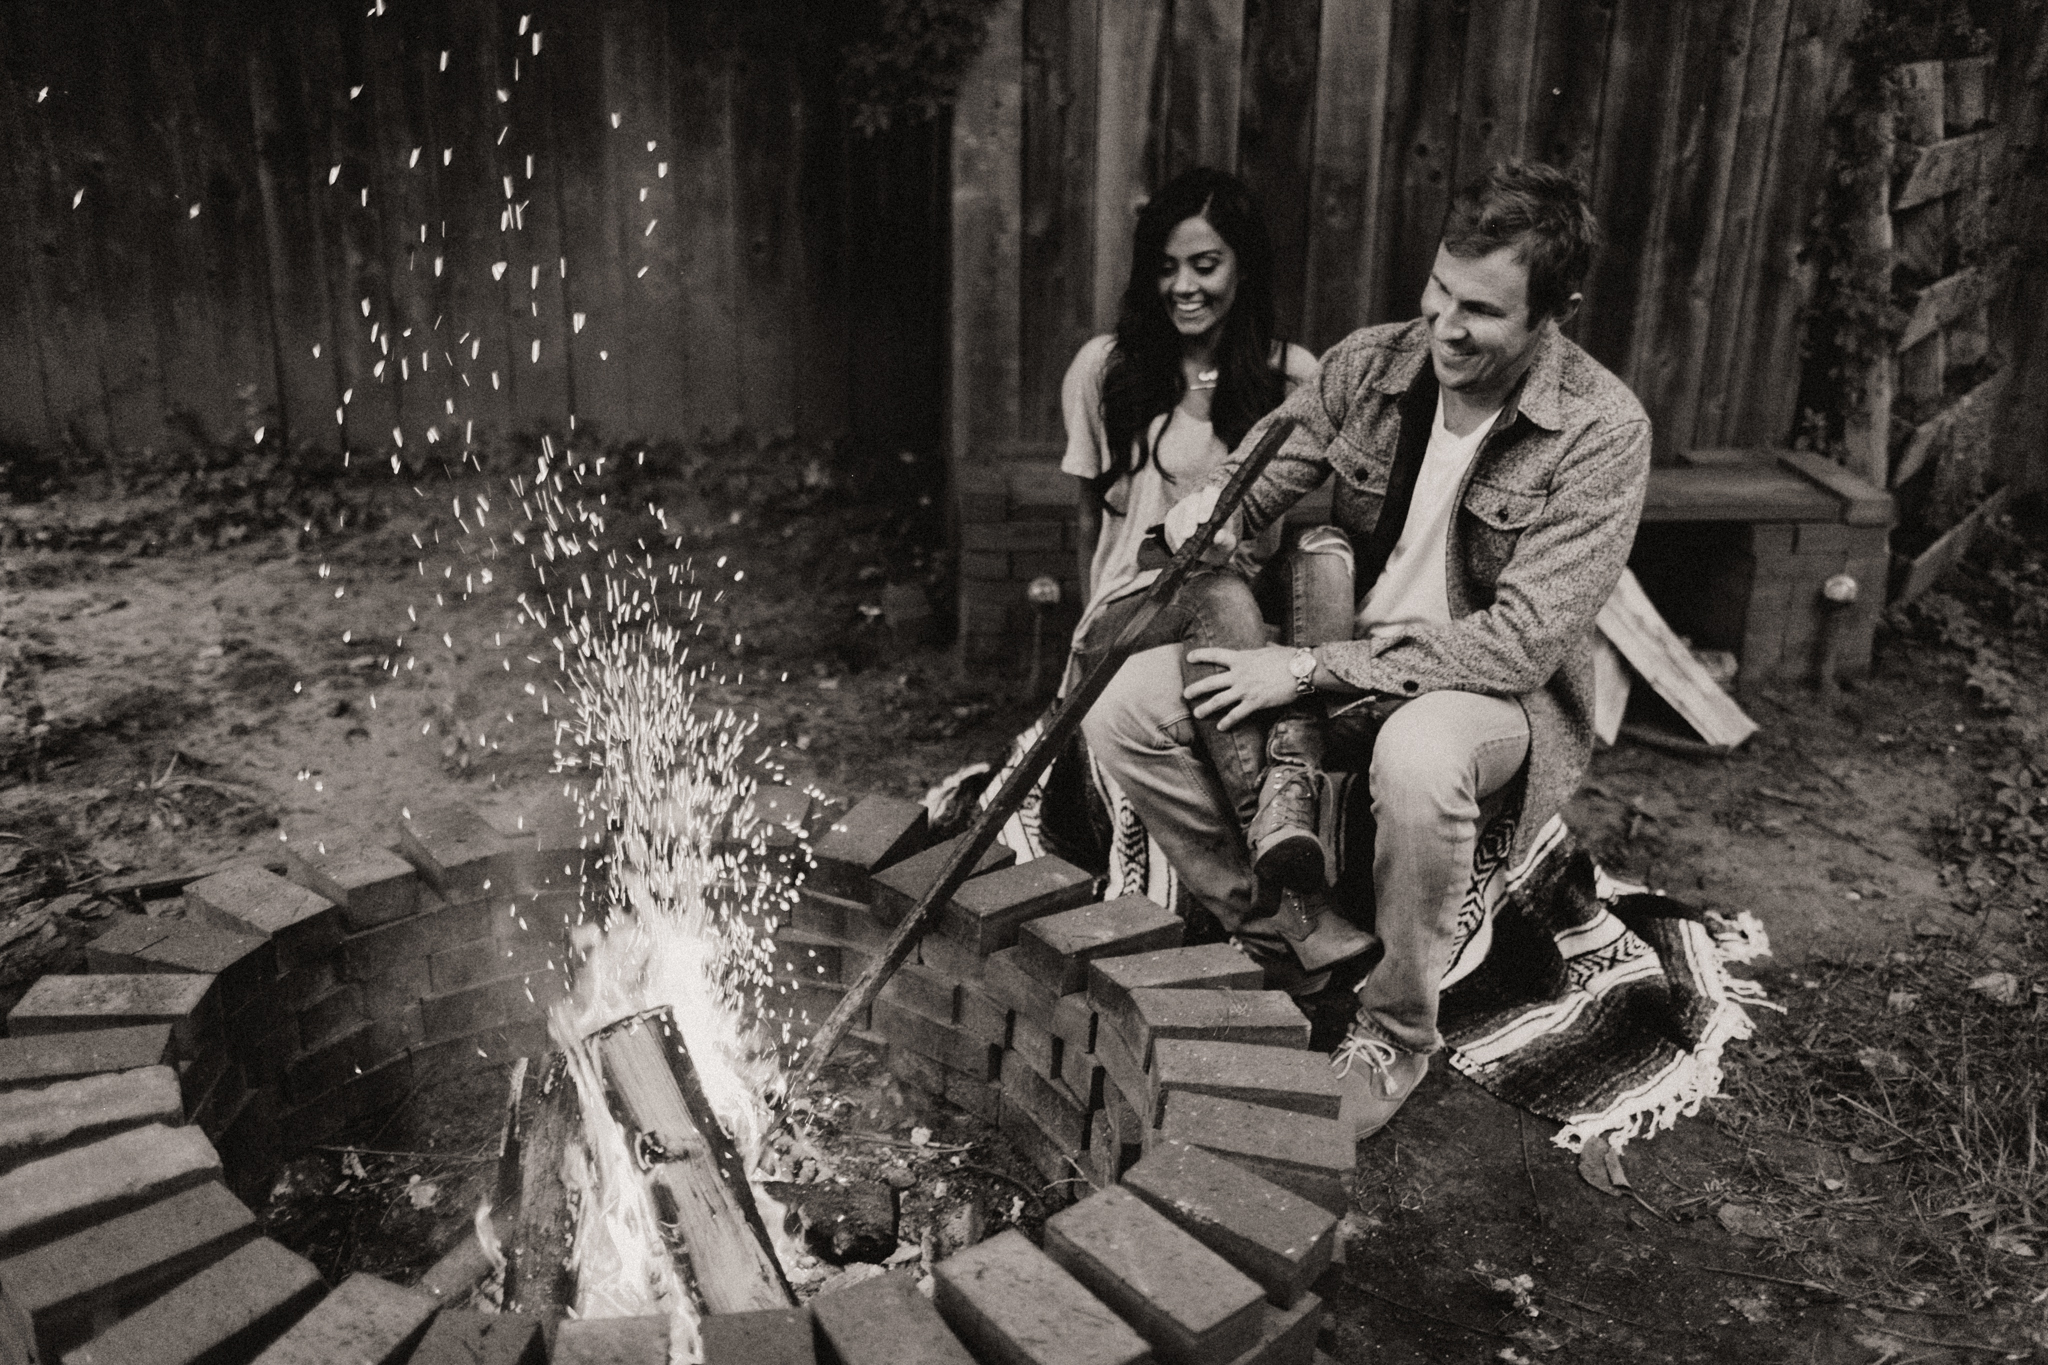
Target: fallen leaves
x=2001 y=988
x=1600 y=1166
x=1744 y=1221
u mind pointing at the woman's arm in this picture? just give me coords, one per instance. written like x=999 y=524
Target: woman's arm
x=1087 y=532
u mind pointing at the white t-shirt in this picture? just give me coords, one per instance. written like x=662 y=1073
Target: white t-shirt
x=1185 y=452
x=1413 y=589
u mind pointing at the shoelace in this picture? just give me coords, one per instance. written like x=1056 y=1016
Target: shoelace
x=1361 y=1046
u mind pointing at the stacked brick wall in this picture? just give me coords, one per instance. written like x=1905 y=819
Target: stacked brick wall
x=1017 y=524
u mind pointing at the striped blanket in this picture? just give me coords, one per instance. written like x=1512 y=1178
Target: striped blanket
x=1578 y=997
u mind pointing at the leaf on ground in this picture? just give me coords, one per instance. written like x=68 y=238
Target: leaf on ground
x=1757 y=1308
x=2011 y=1243
x=904 y=1253
x=1537 y=1340
x=1881 y=1064
x=1600 y=1166
x=424 y=1194
x=1888 y=1348
x=1902 y=1002
x=2001 y=988
x=1865 y=1156
x=1745 y=1221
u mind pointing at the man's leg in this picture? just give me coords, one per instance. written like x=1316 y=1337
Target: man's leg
x=1142 y=732
x=1435 y=760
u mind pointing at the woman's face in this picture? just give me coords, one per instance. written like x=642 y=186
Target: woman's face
x=1197 y=278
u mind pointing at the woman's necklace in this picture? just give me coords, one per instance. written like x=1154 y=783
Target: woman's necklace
x=1204 y=379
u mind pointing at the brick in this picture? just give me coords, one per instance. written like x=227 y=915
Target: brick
x=262 y=1038
x=1038 y=1048
x=1010 y=535
x=229 y=1310
x=300 y=924
x=196 y=1077
x=779 y=816
x=461 y=1338
x=949 y=955
x=1057 y=1111
x=775 y=1336
x=1081 y=1073
x=1270 y=1233
x=982 y=1015
x=43 y=1058
x=458 y=853
x=1315 y=1158
x=803 y=956
x=35 y=1122
x=884 y=1321
x=338 y=1009
x=1120 y=1064
x=367 y=1321
x=914 y=1068
x=17 y=1334
x=1011 y=1303
x=105 y=1271
x=1004 y=977
x=1268 y=1017
x=1286 y=1336
x=986 y=912
x=251 y=1147
x=990 y=566
x=489 y=959
x=804 y=1007
x=1285 y=1078
x=979 y=1098
x=337 y=1060
x=51 y=1195
x=1211 y=966
x=390 y=949
x=816 y=912
x=877 y=832
x=372 y=885
x=943 y=1043
x=1113 y=1148
x=72 y=1004
x=899 y=888
x=1057 y=949
x=1055 y=1164
x=326 y=1115
x=1074 y=1021
x=297 y=989
x=241 y=964
x=218 y=1100
x=611 y=1341
x=924 y=990
x=469 y=1052
x=1191 y=1304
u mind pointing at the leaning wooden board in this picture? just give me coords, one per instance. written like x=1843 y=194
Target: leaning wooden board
x=1635 y=628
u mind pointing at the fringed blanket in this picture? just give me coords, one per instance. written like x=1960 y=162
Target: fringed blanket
x=1578 y=997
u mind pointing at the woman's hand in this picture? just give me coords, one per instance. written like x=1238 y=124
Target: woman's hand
x=1247 y=681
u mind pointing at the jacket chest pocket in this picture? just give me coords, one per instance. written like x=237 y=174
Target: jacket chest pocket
x=1491 y=520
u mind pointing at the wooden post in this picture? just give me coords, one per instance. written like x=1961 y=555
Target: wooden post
x=1868 y=428
x=697 y=1173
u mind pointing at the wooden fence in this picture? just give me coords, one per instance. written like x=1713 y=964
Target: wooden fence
x=1698 y=127
x=380 y=221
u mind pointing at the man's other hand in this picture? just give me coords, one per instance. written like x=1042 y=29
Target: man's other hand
x=1186 y=517
x=1245 y=681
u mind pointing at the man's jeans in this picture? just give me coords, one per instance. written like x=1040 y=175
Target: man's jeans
x=1434 y=760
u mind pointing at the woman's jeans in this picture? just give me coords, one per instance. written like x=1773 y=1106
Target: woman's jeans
x=1433 y=761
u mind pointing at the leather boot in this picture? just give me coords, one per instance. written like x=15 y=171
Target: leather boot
x=1285 y=836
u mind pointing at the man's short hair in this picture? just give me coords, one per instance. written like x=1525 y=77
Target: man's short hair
x=1540 y=211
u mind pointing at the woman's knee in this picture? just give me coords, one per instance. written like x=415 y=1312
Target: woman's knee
x=1138 y=708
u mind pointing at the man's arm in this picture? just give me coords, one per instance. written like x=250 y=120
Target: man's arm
x=1564 y=567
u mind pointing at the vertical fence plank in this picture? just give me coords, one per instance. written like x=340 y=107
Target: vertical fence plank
x=1732 y=316
x=1343 y=271
x=1422 y=139
x=1764 y=382
x=987 y=242
x=770 y=253
x=1059 y=131
x=1497 y=86
x=1570 y=74
x=821 y=394
x=1276 y=141
x=24 y=409
x=1126 y=100
x=1205 y=69
x=1683 y=263
x=703 y=133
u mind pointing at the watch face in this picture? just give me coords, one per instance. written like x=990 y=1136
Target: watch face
x=1303 y=665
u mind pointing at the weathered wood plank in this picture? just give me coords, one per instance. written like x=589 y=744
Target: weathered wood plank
x=1944 y=301
x=1495 y=91
x=1916 y=91
x=1730 y=318
x=1205 y=71
x=770 y=254
x=24 y=416
x=1633 y=625
x=1059 y=134
x=627 y=349
x=1952 y=164
x=539 y=1280
x=1571 y=70
x=1926 y=568
x=1427 y=65
x=1344 y=268
x=1965 y=100
x=1276 y=140
x=1126 y=103
x=708 y=297
x=985 y=403
x=1931 y=438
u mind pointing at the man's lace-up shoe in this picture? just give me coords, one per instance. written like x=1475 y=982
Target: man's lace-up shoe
x=1376 y=1078
x=1286 y=849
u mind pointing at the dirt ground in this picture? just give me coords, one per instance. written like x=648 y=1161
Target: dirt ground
x=176 y=688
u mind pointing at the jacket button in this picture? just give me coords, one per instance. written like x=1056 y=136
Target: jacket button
x=1410 y=685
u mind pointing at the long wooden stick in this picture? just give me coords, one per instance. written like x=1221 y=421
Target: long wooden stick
x=1065 y=720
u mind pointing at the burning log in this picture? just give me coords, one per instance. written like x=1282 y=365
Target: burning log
x=696 y=1172
x=538 y=1280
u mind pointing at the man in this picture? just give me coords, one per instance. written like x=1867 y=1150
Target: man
x=1490 y=474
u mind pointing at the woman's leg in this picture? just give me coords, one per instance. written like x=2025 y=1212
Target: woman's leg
x=1218 y=611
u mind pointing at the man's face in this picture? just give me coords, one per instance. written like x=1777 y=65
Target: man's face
x=1481 y=337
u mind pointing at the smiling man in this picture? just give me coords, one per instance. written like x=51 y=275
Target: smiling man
x=1489 y=475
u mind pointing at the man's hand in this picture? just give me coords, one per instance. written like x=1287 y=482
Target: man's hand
x=1247 y=681
x=1186 y=517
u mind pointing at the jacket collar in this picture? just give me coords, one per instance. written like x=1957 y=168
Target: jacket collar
x=1537 y=397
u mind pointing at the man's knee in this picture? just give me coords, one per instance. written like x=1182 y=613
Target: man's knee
x=1427 y=757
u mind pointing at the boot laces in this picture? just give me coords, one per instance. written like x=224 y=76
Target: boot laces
x=1360 y=1046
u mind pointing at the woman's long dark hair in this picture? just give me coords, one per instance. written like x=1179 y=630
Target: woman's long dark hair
x=1144 y=377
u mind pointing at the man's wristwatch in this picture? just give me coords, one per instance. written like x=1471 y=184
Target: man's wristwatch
x=1303 y=667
